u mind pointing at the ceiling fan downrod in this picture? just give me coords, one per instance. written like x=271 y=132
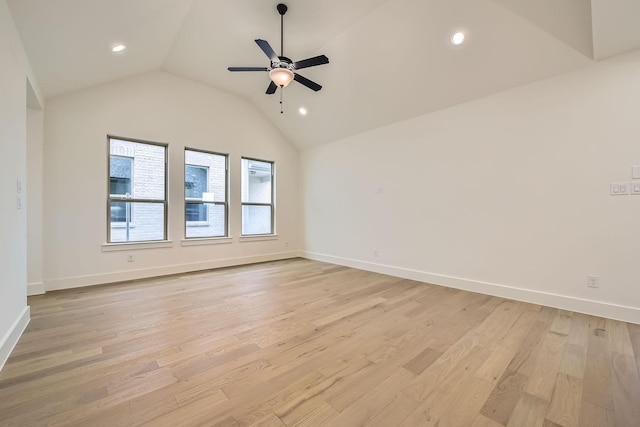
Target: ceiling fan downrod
x=282 y=9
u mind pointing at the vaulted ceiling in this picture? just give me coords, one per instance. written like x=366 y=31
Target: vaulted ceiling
x=390 y=60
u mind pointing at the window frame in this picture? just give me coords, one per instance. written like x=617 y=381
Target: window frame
x=271 y=205
x=117 y=198
x=195 y=201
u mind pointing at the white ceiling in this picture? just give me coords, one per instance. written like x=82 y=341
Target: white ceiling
x=391 y=60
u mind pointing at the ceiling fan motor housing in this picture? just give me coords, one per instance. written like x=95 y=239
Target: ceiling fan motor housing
x=283 y=63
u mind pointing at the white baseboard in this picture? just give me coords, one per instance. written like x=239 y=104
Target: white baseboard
x=121 y=276
x=35 y=289
x=9 y=341
x=596 y=308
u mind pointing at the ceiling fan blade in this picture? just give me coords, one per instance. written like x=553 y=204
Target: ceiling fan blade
x=311 y=62
x=308 y=83
x=247 y=68
x=268 y=50
x=272 y=88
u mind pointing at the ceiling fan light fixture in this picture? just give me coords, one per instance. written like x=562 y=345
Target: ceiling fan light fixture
x=281 y=76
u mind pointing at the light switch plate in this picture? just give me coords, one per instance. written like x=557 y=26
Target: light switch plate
x=635 y=172
x=619 y=188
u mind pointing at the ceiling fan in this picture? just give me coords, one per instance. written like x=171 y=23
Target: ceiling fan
x=282 y=69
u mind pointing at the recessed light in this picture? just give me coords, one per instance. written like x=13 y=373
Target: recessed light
x=303 y=111
x=457 y=38
x=118 y=48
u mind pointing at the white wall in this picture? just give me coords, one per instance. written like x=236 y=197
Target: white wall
x=156 y=107
x=14 y=72
x=507 y=195
x=35 y=123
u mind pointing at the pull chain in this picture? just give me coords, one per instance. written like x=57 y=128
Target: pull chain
x=281 y=110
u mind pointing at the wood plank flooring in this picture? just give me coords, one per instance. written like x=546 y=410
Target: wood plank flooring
x=304 y=343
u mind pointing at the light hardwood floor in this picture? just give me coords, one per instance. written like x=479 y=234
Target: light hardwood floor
x=305 y=343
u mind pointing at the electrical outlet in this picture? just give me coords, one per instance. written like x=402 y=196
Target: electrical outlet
x=593 y=281
x=129 y=258
x=635 y=188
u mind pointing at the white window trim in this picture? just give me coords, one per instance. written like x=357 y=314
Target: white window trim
x=257 y=237
x=127 y=246
x=199 y=241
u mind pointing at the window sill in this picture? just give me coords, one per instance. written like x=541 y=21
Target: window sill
x=258 y=237
x=128 y=246
x=197 y=241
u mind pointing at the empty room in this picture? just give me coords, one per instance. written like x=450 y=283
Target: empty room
x=320 y=213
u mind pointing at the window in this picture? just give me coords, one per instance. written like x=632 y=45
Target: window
x=257 y=197
x=205 y=194
x=137 y=201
